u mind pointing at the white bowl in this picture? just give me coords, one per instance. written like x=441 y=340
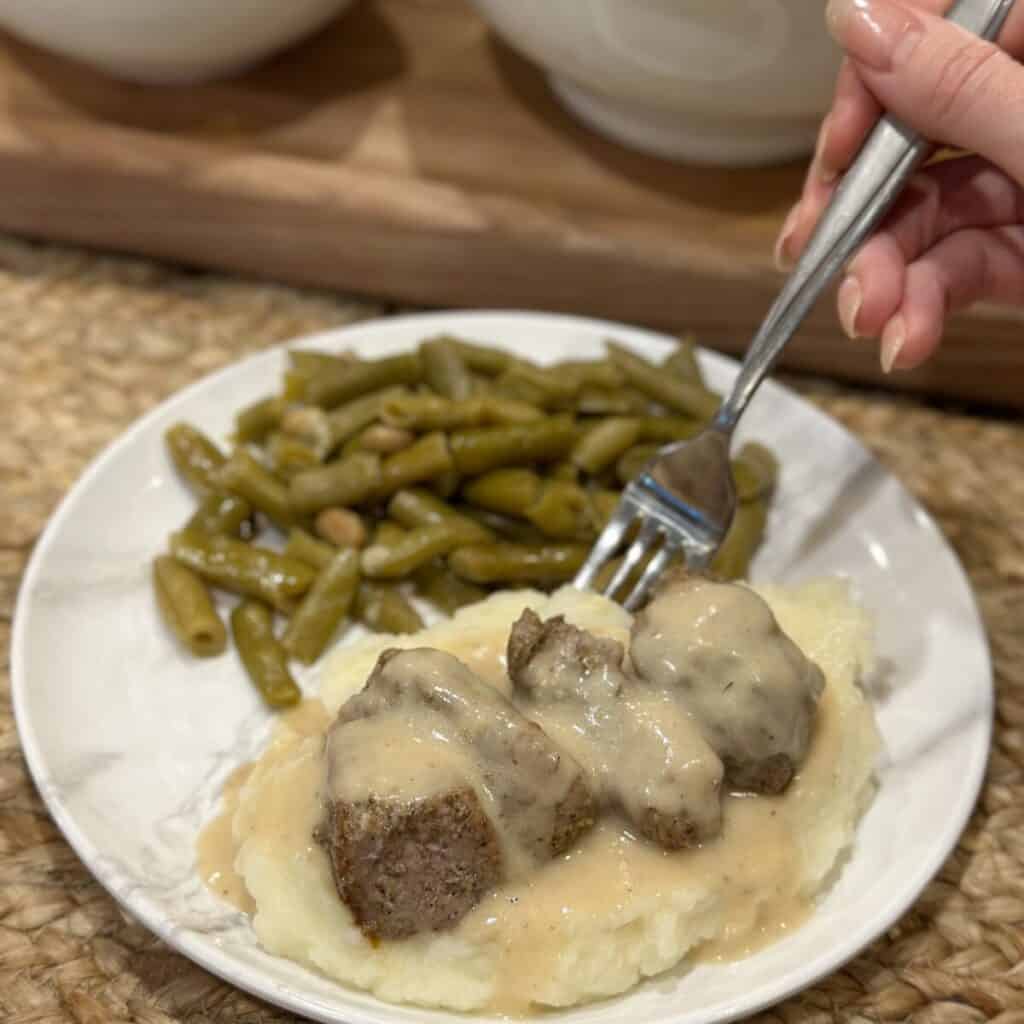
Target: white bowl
x=166 y=41
x=735 y=82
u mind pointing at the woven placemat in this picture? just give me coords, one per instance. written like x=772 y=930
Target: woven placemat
x=87 y=344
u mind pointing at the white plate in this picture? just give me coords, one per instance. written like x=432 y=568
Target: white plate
x=129 y=740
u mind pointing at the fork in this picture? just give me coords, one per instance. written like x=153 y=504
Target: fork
x=685 y=499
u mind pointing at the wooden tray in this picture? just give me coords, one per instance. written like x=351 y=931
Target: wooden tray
x=404 y=153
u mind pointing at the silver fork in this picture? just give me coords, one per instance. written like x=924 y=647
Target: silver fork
x=684 y=501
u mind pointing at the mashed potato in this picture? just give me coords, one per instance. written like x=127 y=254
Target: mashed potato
x=615 y=909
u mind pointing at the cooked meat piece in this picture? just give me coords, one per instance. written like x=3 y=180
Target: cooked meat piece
x=639 y=747
x=437 y=789
x=750 y=688
x=404 y=868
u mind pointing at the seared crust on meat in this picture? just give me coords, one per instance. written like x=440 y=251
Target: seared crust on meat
x=406 y=868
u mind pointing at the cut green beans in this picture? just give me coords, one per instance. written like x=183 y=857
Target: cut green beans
x=194 y=455
x=602 y=445
x=304 y=547
x=449 y=470
x=383 y=608
x=444 y=370
x=732 y=560
x=508 y=491
x=674 y=392
x=244 y=476
x=334 y=385
x=255 y=421
x=416 y=548
x=243 y=568
x=187 y=608
x=445 y=590
x=477 y=451
x=543 y=565
x=323 y=608
x=346 y=481
x=265 y=660
x=221 y=513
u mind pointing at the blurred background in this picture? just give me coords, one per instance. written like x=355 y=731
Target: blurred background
x=608 y=157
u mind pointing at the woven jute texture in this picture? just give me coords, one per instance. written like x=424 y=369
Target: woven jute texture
x=87 y=344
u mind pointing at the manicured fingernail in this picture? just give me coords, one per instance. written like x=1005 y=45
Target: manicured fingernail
x=826 y=173
x=783 y=259
x=850 y=298
x=878 y=33
x=893 y=338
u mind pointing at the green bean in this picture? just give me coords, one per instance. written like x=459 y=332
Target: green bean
x=254 y=422
x=388 y=534
x=293 y=386
x=500 y=410
x=665 y=429
x=602 y=506
x=504 y=527
x=432 y=412
x=476 y=451
x=307 y=424
x=597 y=373
x=345 y=481
x=289 y=455
x=265 y=660
x=196 y=457
x=187 y=608
x=602 y=445
x=444 y=370
x=537 y=386
x=445 y=590
x=482 y=358
x=562 y=511
x=510 y=491
x=623 y=402
x=564 y=471
x=243 y=568
x=680 y=394
x=221 y=513
x=323 y=608
x=341 y=527
x=741 y=542
x=417 y=547
x=428 y=458
x=334 y=385
x=311 y=362
x=634 y=461
x=683 y=362
x=349 y=419
x=244 y=476
x=384 y=609
x=755 y=470
x=306 y=548
x=545 y=565
x=415 y=507
x=447 y=484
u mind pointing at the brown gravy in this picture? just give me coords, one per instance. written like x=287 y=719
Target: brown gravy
x=758 y=852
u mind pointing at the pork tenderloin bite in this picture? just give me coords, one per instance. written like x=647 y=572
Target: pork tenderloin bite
x=751 y=689
x=437 y=790
x=642 y=751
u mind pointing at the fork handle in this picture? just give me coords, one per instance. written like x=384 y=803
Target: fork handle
x=889 y=157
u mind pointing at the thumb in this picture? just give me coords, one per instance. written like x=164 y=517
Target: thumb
x=949 y=85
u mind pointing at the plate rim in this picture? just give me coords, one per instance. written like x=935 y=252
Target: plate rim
x=208 y=955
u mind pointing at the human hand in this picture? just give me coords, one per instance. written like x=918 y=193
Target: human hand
x=956 y=236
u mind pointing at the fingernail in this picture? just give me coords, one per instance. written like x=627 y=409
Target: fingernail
x=783 y=260
x=826 y=173
x=850 y=298
x=878 y=33
x=893 y=338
